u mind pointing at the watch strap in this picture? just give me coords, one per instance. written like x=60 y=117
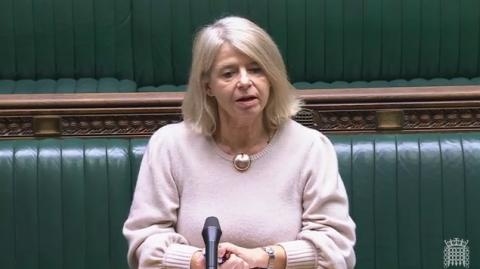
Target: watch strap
x=271 y=256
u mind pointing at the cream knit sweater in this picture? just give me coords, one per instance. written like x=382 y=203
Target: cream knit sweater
x=292 y=195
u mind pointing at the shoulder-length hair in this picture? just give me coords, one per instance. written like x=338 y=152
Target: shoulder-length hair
x=200 y=110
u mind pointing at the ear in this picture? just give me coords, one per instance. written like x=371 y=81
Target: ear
x=208 y=89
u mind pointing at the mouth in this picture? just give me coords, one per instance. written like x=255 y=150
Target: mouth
x=245 y=99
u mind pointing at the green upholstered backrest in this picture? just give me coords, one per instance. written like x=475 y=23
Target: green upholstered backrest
x=64 y=85
x=63 y=202
x=408 y=193
x=149 y=41
x=321 y=40
x=65 y=39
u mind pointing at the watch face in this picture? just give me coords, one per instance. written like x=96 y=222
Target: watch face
x=271 y=256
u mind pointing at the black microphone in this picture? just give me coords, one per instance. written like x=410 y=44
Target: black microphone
x=211 y=234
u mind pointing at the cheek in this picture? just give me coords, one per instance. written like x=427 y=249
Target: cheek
x=265 y=86
x=214 y=88
x=221 y=92
x=220 y=85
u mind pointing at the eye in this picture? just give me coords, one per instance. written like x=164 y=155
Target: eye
x=227 y=73
x=255 y=70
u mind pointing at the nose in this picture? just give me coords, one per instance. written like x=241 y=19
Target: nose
x=244 y=79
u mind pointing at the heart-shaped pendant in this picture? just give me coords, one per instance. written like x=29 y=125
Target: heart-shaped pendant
x=242 y=162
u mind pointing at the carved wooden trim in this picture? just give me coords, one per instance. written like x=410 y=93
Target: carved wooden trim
x=422 y=109
x=115 y=124
x=464 y=118
x=341 y=121
x=413 y=120
x=16 y=126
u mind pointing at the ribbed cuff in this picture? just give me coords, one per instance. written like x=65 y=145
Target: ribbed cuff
x=179 y=256
x=300 y=254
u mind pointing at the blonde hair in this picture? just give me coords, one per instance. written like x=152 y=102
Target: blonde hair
x=200 y=110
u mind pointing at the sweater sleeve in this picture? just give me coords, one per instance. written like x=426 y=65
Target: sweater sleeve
x=149 y=228
x=327 y=236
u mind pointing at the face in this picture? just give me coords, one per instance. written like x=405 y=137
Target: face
x=239 y=85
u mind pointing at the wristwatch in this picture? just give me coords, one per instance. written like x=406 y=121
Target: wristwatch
x=271 y=256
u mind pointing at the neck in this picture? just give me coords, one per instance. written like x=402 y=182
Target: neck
x=235 y=137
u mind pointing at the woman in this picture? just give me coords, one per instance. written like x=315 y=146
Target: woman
x=272 y=183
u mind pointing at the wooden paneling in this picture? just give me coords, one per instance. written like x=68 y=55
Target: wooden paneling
x=412 y=109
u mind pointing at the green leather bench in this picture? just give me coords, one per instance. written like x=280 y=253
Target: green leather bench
x=148 y=42
x=63 y=201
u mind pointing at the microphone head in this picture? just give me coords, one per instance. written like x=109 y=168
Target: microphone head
x=211 y=222
x=211 y=229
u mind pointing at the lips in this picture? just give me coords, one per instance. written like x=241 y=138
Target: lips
x=246 y=98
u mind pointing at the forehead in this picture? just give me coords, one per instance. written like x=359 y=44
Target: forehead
x=229 y=55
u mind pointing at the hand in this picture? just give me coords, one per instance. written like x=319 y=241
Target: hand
x=234 y=262
x=254 y=257
x=197 y=261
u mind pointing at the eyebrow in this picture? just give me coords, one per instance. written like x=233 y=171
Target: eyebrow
x=226 y=66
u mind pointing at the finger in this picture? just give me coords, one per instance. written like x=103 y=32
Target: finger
x=225 y=249
x=234 y=262
x=228 y=246
x=221 y=251
x=198 y=260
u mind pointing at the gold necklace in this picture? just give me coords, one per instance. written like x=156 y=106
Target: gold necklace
x=242 y=161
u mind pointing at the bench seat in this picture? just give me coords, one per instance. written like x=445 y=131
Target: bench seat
x=63 y=201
